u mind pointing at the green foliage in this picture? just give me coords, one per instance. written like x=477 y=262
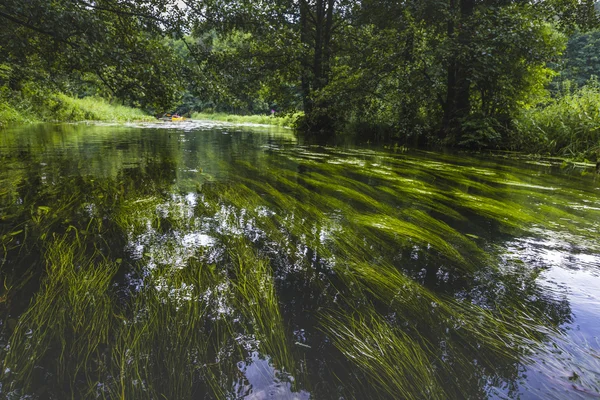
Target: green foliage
x=286 y=120
x=568 y=125
x=581 y=59
x=419 y=73
x=70 y=46
x=456 y=77
x=64 y=108
x=11 y=116
x=36 y=104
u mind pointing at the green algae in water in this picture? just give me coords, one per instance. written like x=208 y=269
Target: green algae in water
x=333 y=272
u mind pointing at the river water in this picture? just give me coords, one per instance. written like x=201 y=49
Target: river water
x=205 y=260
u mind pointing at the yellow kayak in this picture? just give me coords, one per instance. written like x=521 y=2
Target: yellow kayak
x=177 y=119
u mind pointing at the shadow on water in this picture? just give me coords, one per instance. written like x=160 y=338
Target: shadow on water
x=216 y=261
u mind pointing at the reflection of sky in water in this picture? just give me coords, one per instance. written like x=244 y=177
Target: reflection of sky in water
x=261 y=381
x=569 y=367
x=176 y=247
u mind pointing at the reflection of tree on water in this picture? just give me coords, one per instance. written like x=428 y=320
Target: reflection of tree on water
x=333 y=275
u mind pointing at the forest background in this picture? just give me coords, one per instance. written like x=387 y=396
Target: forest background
x=499 y=74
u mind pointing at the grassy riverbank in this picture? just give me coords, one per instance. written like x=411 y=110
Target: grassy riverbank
x=286 y=121
x=20 y=108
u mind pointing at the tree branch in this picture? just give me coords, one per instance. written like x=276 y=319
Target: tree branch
x=35 y=28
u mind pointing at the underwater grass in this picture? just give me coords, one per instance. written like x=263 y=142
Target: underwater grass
x=452 y=335
x=398 y=365
x=363 y=213
x=512 y=329
x=69 y=318
x=161 y=349
x=247 y=303
x=257 y=300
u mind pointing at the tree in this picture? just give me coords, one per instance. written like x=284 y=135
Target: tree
x=582 y=58
x=285 y=47
x=495 y=69
x=119 y=42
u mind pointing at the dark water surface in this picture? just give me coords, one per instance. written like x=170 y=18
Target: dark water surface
x=205 y=260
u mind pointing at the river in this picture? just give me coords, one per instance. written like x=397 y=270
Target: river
x=205 y=260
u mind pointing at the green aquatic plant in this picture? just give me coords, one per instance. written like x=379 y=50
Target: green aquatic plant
x=397 y=364
x=162 y=343
x=69 y=319
x=454 y=334
x=256 y=299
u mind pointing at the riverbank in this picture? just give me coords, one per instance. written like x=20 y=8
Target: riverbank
x=16 y=108
x=287 y=121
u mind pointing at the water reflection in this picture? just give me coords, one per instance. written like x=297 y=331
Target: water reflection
x=150 y=260
x=261 y=381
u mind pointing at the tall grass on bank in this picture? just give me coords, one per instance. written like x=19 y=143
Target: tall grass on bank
x=10 y=116
x=64 y=108
x=568 y=126
x=32 y=105
x=286 y=121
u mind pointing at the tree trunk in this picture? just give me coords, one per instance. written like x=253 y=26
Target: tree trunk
x=458 y=93
x=316 y=73
x=305 y=73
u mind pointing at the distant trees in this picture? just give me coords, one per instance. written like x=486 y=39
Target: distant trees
x=282 y=49
x=582 y=58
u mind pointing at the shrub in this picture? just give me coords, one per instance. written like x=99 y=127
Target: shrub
x=568 y=125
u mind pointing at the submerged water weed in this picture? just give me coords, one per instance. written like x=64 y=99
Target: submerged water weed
x=256 y=299
x=69 y=319
x=361 y=212
x=455 y=334
x=397 y=364
x=162 y=347
x=230 y=313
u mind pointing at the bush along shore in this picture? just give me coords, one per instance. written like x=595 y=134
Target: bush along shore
x=567 y=126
